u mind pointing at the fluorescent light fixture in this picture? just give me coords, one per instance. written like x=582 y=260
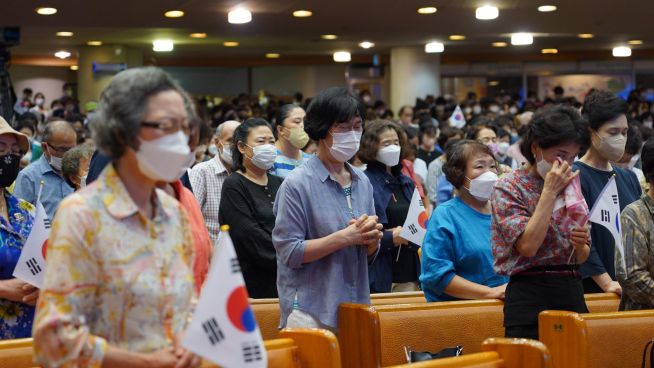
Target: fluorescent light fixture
x=230 y=43
x=635 y=42
x=174 y=14
x=46 y=11
x=198 y=35
x=65 y=34
x=329 y=37
x=522 y=39
x=549 y=51
x=487 y=12
x=366 y=45
x=427 y=10
x=94 y=43
x=621 y=51
x=63 y=54
x=499 y=44
x=342 y=56
x=302 y=13
x=163 y=45
x=273 y=55
x=434 y=47
x=457 y=37
x=74 y=67
x=547 y=8
x=239 y=16
x=585 y=35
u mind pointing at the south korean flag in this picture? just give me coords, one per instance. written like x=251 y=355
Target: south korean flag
x=31 y=263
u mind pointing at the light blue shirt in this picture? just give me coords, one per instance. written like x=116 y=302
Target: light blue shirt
x=284 y=165
x=457 y=243
x=55 y=187
x=310 y=204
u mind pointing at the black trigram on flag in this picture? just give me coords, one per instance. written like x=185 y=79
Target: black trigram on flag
x=615 y=198
x=420 y=203
x=413 y=229
x=235 y=266
x=47 y=223
x=605 y=216
x=213 y=332
x=33 y=266
x=251 y=352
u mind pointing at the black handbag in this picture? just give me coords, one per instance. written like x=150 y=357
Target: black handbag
x=421 y=356
x=649 y=346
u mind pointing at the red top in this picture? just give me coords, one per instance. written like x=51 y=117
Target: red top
x=201 y=241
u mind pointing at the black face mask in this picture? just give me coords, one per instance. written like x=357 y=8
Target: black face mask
x=9 y=167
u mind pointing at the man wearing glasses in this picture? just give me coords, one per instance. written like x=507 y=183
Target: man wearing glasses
x=58 y=138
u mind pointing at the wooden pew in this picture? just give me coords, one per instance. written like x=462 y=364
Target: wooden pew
x=16 y=353
x=596 y=340
x=496 y=352
x=602 y=302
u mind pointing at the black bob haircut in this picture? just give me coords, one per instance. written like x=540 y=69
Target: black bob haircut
x=601 y=107
x=549 y=128
x=647 y=159
x=332 y=106
x=241 y=134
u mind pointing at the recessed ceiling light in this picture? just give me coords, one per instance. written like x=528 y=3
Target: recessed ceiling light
x=487 y=12
x=522 y=39
x=163 y=45
x=74 y=67
x=302 y=13
x=621 y=51
x=635 y=42
x=63 y=54
x=499 y=44
x=273 y=55
x=549 y=51
x=239 y=16
x=366 y=45
x=427 y=10
x=198 y=35
x=434 y=47
x=65 y=34
x=585 y=35
x=329 y=37
x=342 y=56
x=230 y=43
x=174 y=14
x=94 y=43
x=46 y=11
x=494 y=83
x=547 y=8
x=457 y=37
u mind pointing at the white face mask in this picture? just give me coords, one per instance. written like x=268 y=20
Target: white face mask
x=389 y=155
x=345 y=145
x=363 y=167
x=264 y=156
x=82 y=181
x=543 y=167
x=476 y=109
x=226 y=154
x=494 y=108
x=503 y=148
x=213 y=150
x=482 y=186
x=513 y=110
x=467 y=110
x=163 y=159
x=55 y=162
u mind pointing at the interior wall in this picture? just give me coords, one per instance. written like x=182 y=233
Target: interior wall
x=45 y=79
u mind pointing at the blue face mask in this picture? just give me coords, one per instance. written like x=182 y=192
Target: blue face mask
x=514 y=138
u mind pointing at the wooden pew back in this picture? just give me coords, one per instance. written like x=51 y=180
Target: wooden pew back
x=16 y=353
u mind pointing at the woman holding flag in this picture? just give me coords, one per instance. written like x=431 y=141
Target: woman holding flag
x=539 y=236
x=397 y=265
x=17 y=298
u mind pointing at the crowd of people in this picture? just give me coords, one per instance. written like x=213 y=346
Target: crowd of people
x=316 y=194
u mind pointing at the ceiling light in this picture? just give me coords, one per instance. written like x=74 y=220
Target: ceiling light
x=621 y=51
x=302 y=13
x=546 y=8
x=94 y=43
x=366 y=45
x=65 y=34
x=62 y=54
x=487 y=12
x=273 y=55
x=499 y=44
x=163 y=45
x=230 y=43
x=585 y=35
x=74 y=67
x=174 y=14
x=342 y=56
x=433 y=47
x=494 y=83
x=198 y=35
x=457 y=37
x=635 y=42
x=46 y=11
x=329 y=37
x=521 y=39
x=427 y=10
x=239 y=16
x=549 y=51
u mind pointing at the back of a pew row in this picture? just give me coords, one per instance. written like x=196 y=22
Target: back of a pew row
x=496 y=353
x=596 y=340
x=375 y=336
x=16 y=353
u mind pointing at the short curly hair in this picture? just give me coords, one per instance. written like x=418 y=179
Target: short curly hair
x=71 y=160
x=370 y=140
x=332 y=106
x=457 y=156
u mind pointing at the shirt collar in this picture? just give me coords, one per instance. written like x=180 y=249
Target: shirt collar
x=319 y=168
x=220 y=168
x=44 y=166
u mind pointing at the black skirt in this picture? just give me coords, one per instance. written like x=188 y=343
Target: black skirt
x=527 y=295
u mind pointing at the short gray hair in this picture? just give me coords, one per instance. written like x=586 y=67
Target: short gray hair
x=123 y=105
x=70 y=161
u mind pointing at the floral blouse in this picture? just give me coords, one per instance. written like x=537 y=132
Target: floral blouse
x=15 y=318
x=113 y=276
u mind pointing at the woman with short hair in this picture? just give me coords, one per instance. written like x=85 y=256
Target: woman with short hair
x=75 y=166
x=291 y=139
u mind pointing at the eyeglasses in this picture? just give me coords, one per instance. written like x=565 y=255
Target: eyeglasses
x=168 y=126
x=61 y=150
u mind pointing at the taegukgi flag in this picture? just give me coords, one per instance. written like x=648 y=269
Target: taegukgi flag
x=415 y=225
x=31 y=263
x=223 y=329
x=457 y=119
x=606 y=212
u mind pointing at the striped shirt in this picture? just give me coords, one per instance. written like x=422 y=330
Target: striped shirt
x=284 y=165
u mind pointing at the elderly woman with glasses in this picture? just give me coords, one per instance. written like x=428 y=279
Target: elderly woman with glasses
x=119 y=283
x=326 y=230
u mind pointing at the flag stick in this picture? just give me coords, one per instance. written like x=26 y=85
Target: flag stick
x=38 y=196
x=397 y=259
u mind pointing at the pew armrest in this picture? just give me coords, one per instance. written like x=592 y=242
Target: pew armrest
x=519 y=352
x=317 y=347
